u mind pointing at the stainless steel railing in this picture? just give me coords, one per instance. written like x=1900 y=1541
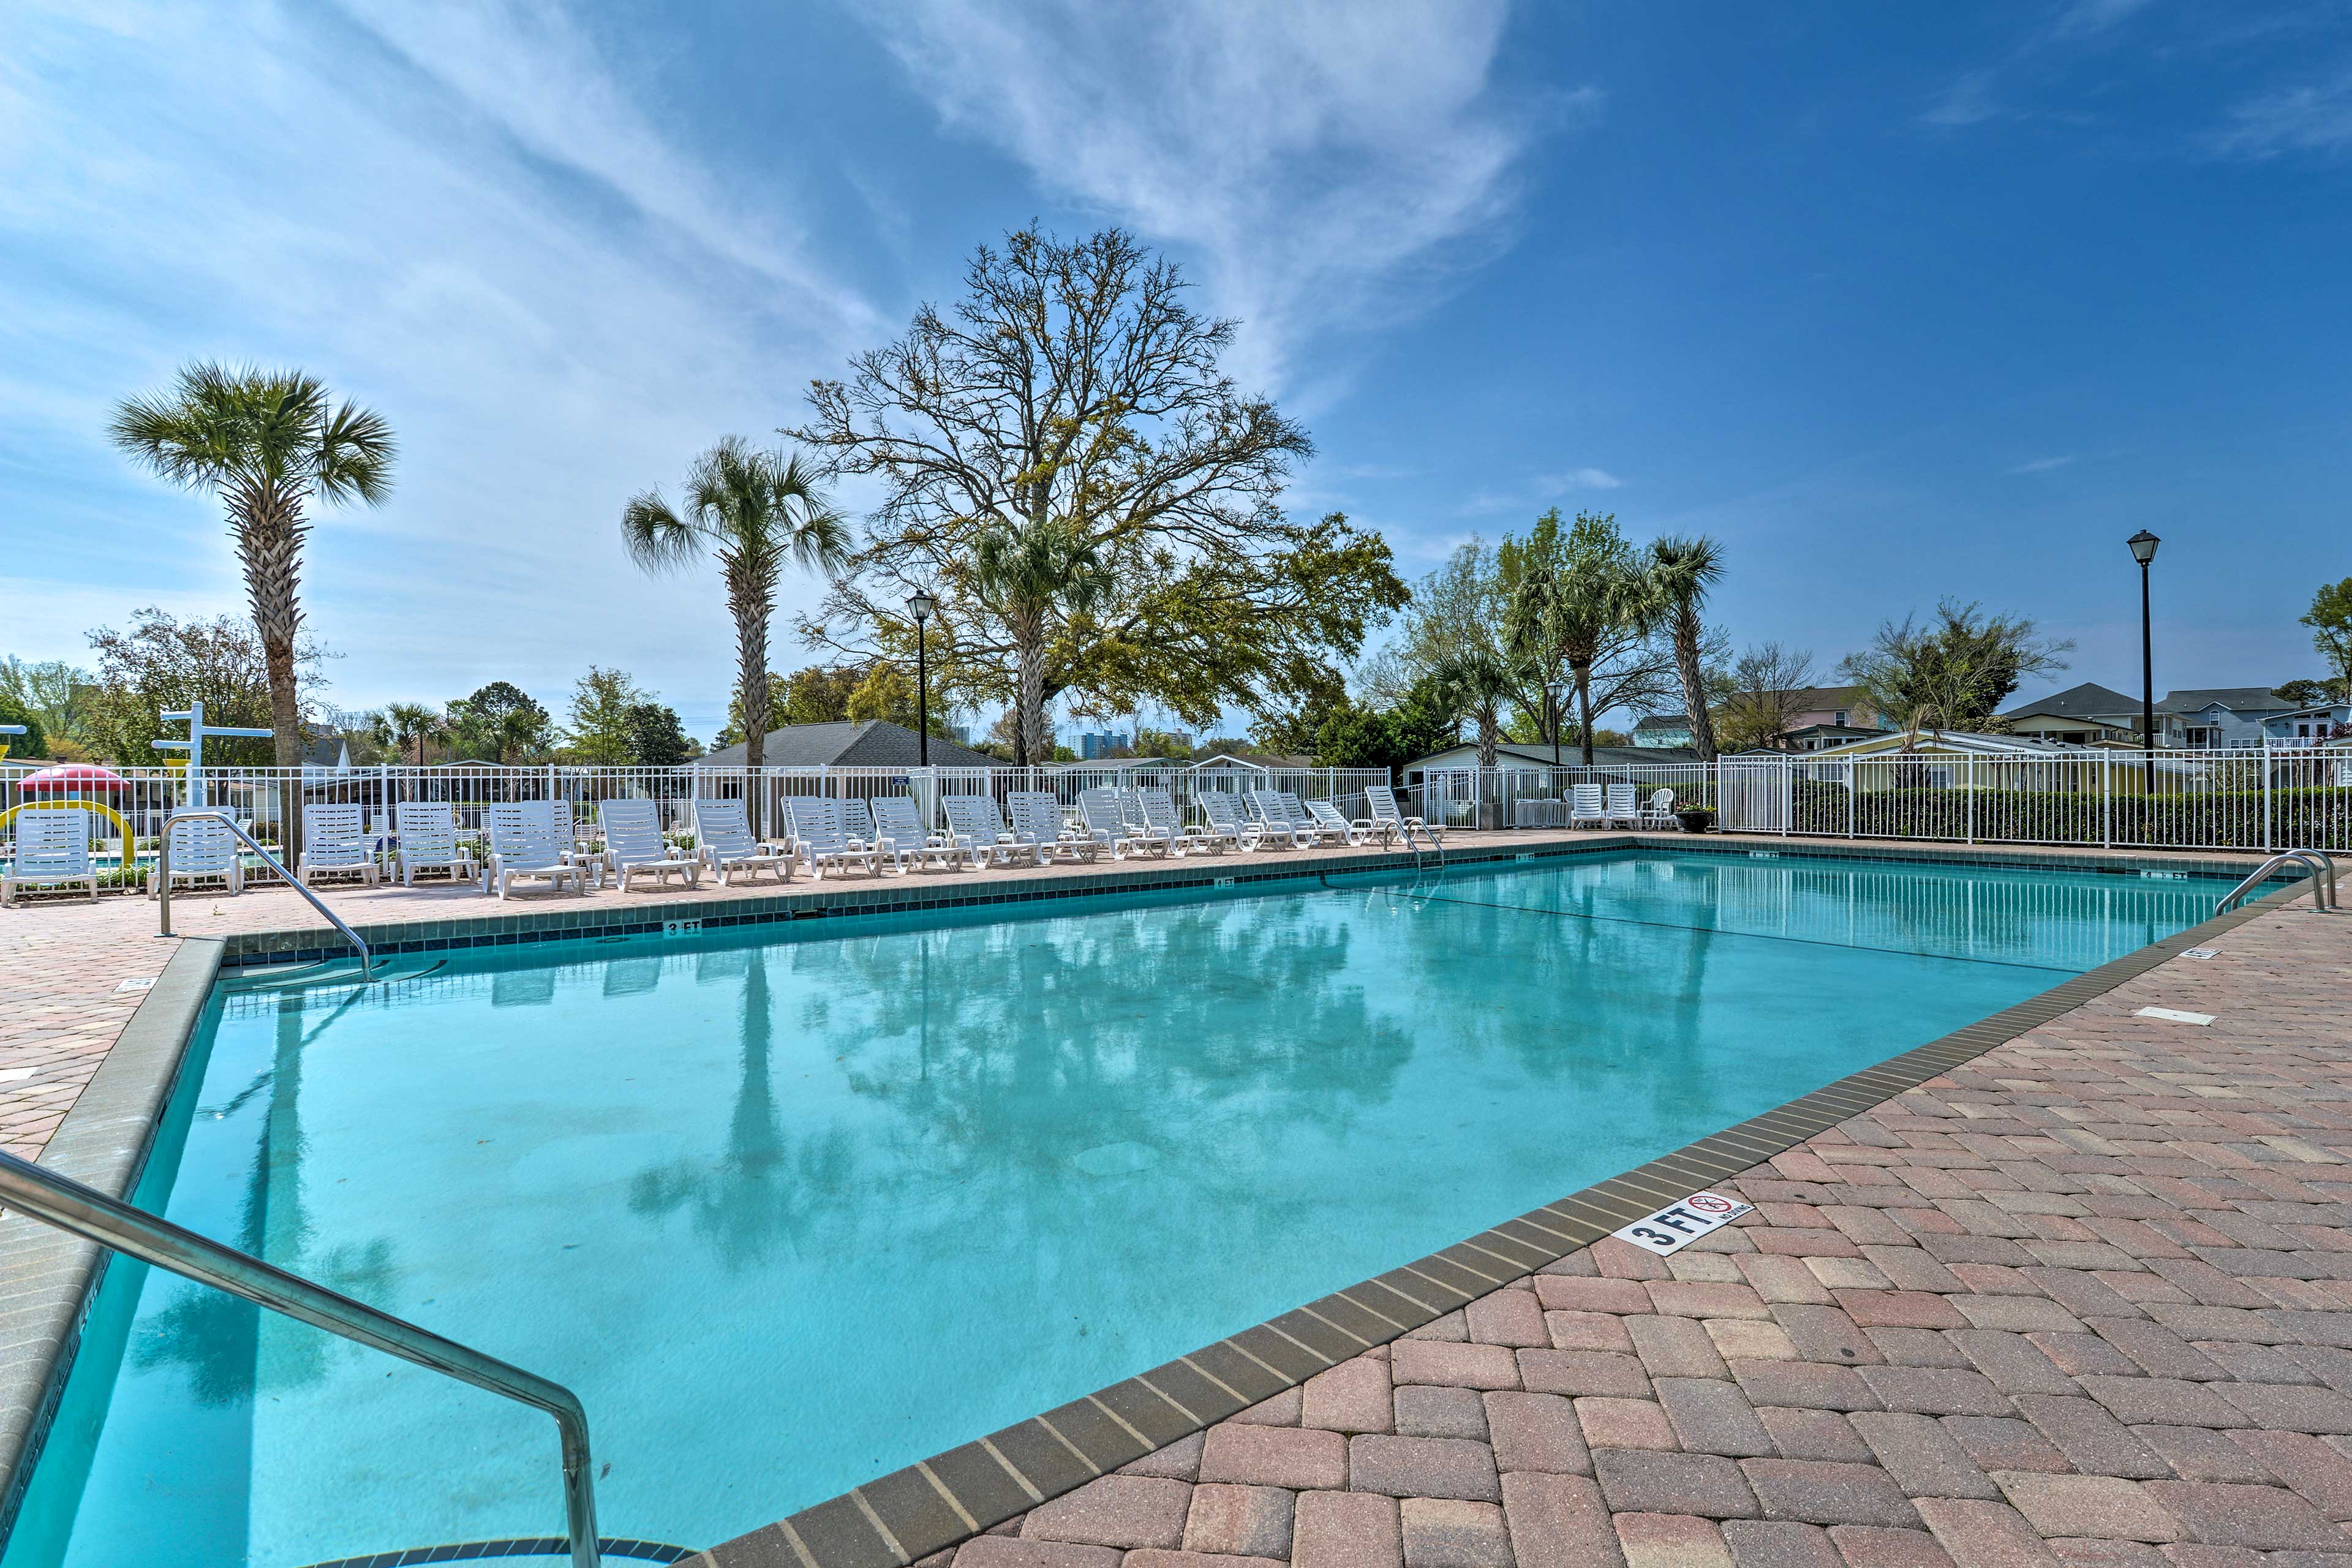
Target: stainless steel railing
x=39 y=1193
x=164 y=877
x=2323 y=876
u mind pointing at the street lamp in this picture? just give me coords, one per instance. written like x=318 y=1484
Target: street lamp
x=920 y=606
x=2142 y=548
x=1554 y=691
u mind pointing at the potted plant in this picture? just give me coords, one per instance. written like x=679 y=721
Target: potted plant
x=1695 y=819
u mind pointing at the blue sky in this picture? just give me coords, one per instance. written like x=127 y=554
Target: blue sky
x=1897 y=301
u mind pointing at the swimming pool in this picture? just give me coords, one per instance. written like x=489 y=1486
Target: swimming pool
x=791 y=1206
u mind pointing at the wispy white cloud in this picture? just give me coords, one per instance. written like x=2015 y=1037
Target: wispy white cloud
x=2312 y=118
x=1540 y=491
x=458 y=215
x=2043 y=465
x=2088 y=18
x=1579 y=479
x=1332 y=170
x=1976 y=95
x=1967 y=101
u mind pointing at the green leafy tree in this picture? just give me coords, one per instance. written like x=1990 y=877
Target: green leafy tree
x=408 y=725
x=1680 y=571
x=1478 y=681
x=34 y=741
x=1761 y=694
x=887 y=692
x=1072 y=404
x=269 y=444
x=757 y=513
x=1577 y=598
x=656 y=739
x=163 y=664
x=818 y=695
x=602 y=701
x=2306 y=693
x=1953 y=673
x=1352 y=735
x=2330 y=620
x=501 y=723
x=53 y=690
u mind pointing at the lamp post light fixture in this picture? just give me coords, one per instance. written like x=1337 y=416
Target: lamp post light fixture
x=1554 y=692
x=2142 y=548
x=920 y=606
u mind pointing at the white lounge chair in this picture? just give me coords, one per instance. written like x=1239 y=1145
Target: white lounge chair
x=334 y=844
x=428 y=841
x=1320 y=831
x=633 y=846
x=722 y=841
x=1660 y=810
x=1587 y=808
x=1037 y=816
x=1099 y=810
x=1327 y=817
x=1623 y=805
x=1274 y=819
x=857 y=821
x=202 y=849
x=1381 y=802
x=1225 y=819
x=1159 y=815
x=895 y=820
x=52 y=849
x=819 y=838
x=523 y=845
x=976 y=827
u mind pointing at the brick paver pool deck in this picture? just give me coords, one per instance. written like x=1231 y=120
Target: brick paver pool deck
x=2084 y=1299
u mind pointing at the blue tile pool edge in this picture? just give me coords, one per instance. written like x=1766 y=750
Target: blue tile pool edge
x=106 y=1139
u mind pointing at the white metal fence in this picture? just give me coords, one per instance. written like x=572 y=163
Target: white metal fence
x=2243 y=799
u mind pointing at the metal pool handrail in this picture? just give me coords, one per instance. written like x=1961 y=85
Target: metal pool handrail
x=2323 y=879
x=164 y=877
x=41 y=1193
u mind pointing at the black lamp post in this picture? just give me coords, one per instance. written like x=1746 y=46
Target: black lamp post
x=920 y=606
x=1553 y=692
x=2142 y=548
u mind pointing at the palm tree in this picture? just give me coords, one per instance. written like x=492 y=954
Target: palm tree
x=1477 y=681
x=1570 y=612
x=1681 y=570
x=411 y=721
x=269 y=443
x=1022 y=574
x=756 y=512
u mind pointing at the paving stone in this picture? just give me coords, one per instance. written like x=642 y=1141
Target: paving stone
x=2289 y=1407
x=1432 y=1410
x=2091 y=1437
x=2004 y=1443
x=1578 y=1373
x=1701 y=1298
x=1625 y=1423
x=1508 y=1318
x=1711 y=1415
x=1925 y=1460
x=1152 y=1557
x=2263 y=1518
x=1298 y=1458
x=1537 y=1432
x=1452 y=1328
x=2200 y=1453
x=2085 y=1552
x=1899 y=1309
x=1740 y=1338
x=2193 y=1554
x=1422 y=1467
x=2320 y=1473
x=1984 y=1534
x=1241 y=1521
x=1826 y=1334
x=2076 y=1353
x=1819 y=1492
x=1814 y=1435
x=1556 y=1521
x=1918 y=1347
x=1678 y=1347
x=1874 y=1546
x=1778 y=1543
x=1180 y=1461
x=2103 y=1505
x=1115 y=1510
x=2018 y=1314
x=1462 y=1366
x=1281 y=1410
x=1589 y=1331
x=1670 y=1540
x=2163 y=1402
x=1803 y=1382
x=1350 y=1397
x=1010 y=1552
x=2013 y=1363
x=1448 y=1534
x=1352 y=1530
x=1640 y=1481
x=1935 y=1390
x=1777 y=1279
x=2156 y=1348
x=1574 y=1295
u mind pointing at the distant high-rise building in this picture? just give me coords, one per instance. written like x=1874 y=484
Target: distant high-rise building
x=1093 y=743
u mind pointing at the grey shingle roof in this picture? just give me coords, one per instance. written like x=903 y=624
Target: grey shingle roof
x=869 y=743
x=2236 y=699
x=2088 y=701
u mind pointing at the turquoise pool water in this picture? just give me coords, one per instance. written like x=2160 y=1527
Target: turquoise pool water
x=793 y=1206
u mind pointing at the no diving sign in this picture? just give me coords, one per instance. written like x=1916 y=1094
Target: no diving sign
x=1676 y=1225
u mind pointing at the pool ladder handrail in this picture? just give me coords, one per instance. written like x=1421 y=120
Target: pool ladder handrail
x=39 y=1193
x=164 y=877
x=2323 y=881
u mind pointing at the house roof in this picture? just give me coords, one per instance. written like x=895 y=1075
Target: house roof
x=2236 y=699
x=868 y=743
x=1664 y=721
x=1571 y=754
x=1956 y=740
x=2089 y=701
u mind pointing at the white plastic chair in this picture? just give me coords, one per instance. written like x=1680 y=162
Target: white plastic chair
x=523 y=845
x=975 y=827
x=1588 y=808
x=334 y=844
x=1624 y=806
x=1328 y=818
x=895 y=820
x=52 y=849
x=1226 y=821
x=857 y=821
x=1160 y=815
x=819 y=839
x=722 y=841
x=1099 y=810
x=428 y=841
x=202 y=848
x=1274 y=819
x=1317 y=831
x=1381 y=802
x=1037 y=816
x=633 y=845
x=1660 y=811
